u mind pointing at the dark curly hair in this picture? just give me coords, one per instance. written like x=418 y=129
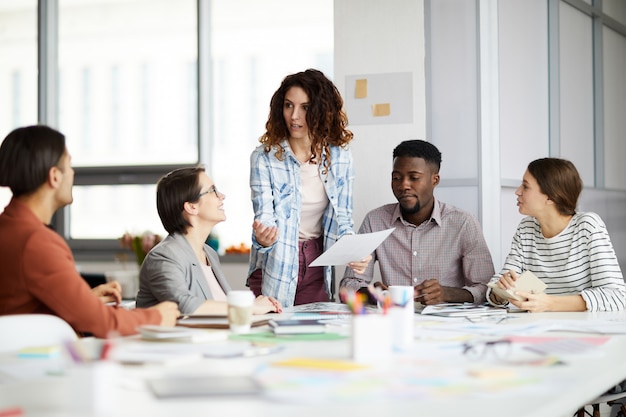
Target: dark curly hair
x=325 y=117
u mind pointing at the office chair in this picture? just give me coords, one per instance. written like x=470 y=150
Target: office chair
x=609 y=399
x=31 y=330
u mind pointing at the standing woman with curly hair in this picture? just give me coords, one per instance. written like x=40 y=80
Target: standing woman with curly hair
x=301 y=179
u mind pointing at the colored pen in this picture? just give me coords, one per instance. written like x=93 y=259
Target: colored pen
x=106 y=349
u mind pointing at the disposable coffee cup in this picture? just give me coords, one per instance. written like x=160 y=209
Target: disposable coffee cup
x=240 y=311
x=128 y=279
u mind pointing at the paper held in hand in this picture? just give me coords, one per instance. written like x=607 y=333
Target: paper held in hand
x=527 y=282
x=350 y=248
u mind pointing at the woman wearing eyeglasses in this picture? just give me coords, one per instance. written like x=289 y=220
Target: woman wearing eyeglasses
x=183 y=268
x=301 y=179
x=568 y=250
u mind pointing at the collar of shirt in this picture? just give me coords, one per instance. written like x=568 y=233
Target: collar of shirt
x=434 y=216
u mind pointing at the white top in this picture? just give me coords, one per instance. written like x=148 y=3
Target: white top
x=216 y=290
x=314 y=202
x=579 y=260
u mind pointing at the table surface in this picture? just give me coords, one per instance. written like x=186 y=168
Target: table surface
x=432 y=377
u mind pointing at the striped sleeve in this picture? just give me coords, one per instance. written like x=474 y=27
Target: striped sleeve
x=607 y=291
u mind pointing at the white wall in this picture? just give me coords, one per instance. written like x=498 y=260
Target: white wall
x=377 y=37
x=439 y=42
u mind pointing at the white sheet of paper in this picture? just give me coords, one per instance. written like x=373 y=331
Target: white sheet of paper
x=352 y=248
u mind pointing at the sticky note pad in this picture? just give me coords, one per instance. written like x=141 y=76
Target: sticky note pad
x=320 y=364
x=39 y=352
x=382 y=109
x=360 y=88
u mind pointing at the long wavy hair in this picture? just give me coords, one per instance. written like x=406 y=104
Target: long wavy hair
x=325 y=117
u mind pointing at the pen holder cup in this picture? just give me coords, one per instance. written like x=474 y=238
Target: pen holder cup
x=402 y=327
x=92 y=387
x=371 y=339
x=402 y=314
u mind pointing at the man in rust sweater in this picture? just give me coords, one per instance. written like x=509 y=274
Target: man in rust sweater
x=37 y=269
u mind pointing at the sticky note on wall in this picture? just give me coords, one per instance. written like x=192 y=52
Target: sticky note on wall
x=381 y=109
x=360 y=88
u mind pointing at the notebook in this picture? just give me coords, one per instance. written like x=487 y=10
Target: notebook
x=214 y=321
x=198 y=386
x=527 y=282
x=297 y=326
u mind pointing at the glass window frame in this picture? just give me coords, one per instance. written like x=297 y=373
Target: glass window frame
x=48 y=113
x=106 y=249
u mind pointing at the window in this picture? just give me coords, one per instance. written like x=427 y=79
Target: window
x=254 y=45
x=128 y=101
x=18 y=70
x=127 y=105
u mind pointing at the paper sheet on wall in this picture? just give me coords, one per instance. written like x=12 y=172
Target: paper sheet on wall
x=351 y=248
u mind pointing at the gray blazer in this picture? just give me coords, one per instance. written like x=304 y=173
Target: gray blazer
x=172 y=272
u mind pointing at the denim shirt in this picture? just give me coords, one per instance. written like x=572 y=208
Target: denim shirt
x=277 y=201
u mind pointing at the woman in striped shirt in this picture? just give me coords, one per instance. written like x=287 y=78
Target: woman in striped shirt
x=568 y=250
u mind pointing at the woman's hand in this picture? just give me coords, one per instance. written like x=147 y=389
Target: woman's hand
x=263 y=304
x=507 y=280
x=265 y=235
x=535 y=303
x=360 y=266
x=109 y=292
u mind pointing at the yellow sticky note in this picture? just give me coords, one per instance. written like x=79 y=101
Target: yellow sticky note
x=39 y=352
x=321 y=364
x=360 y=88
x=382 y=109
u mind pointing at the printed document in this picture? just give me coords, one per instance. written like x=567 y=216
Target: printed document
x=352 y=248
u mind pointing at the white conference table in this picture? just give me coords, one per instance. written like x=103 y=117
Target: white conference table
x=431 y=378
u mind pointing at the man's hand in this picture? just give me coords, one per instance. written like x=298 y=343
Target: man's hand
x=360 y=266
x=109 y=292
x=432 y=292
x=169 y=312
x=429 y=292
